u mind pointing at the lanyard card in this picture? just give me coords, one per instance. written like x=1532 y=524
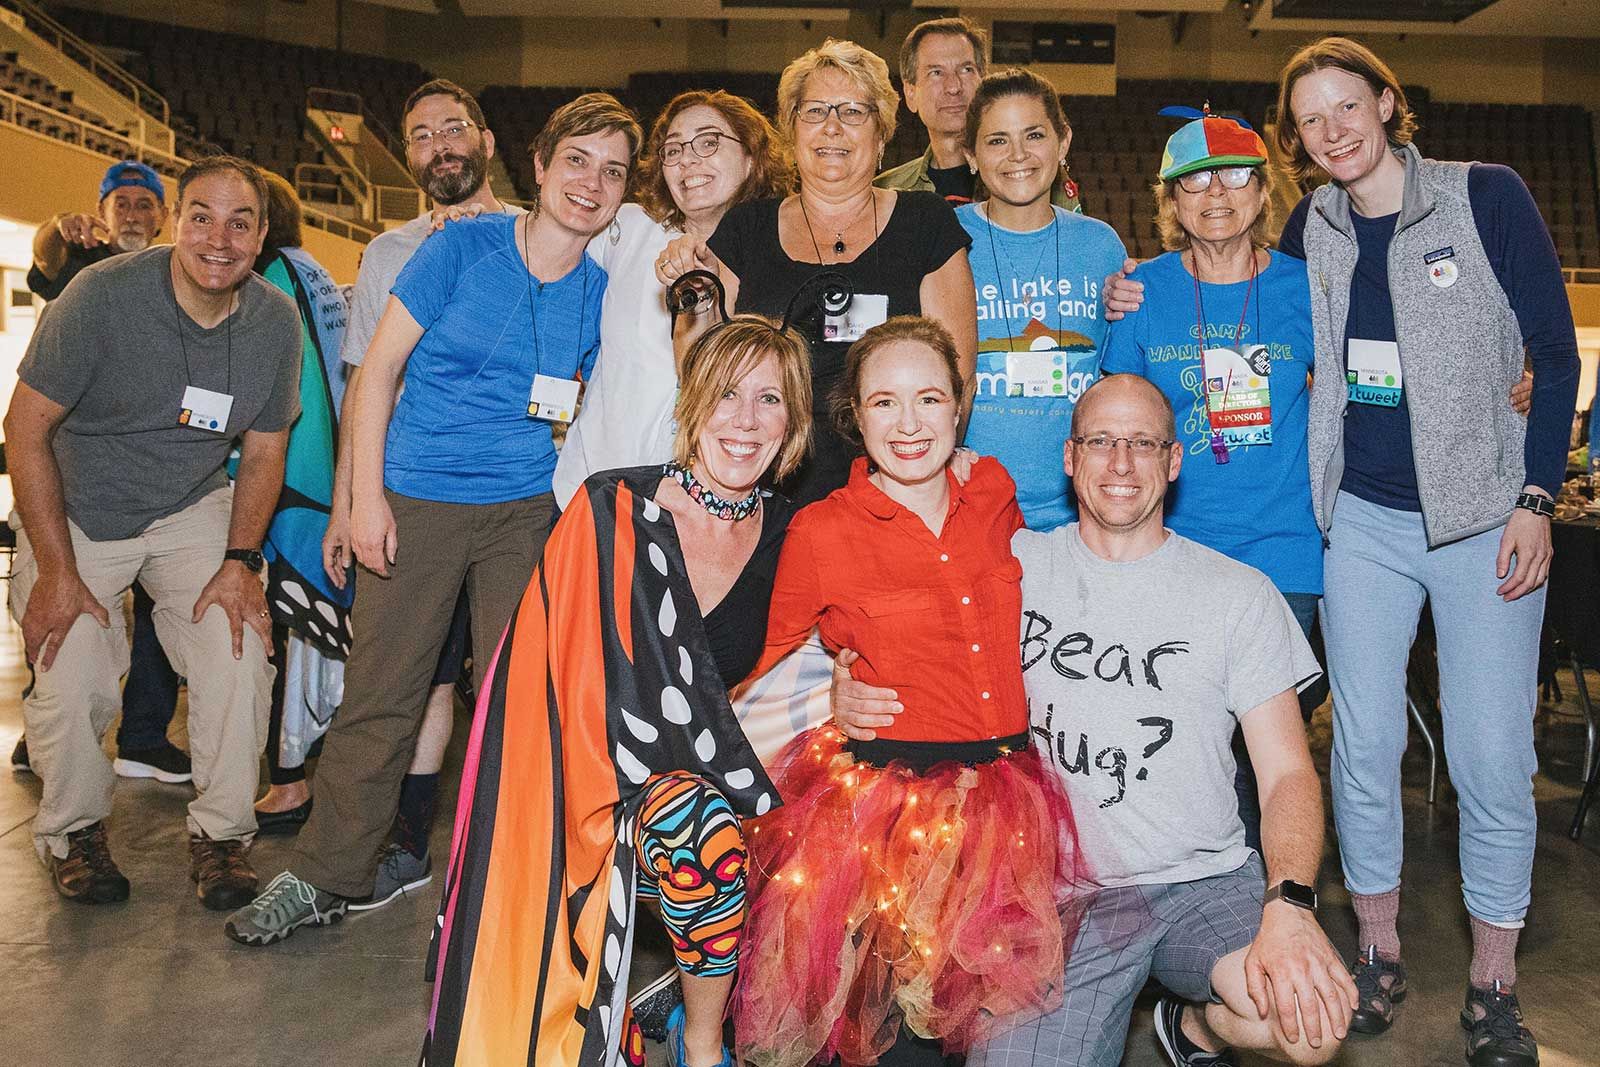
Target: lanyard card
x=1239 y=394
x=866 y=310
x=205 y=410
x=1045 y=373
x=1372 y=373
x=553 y=399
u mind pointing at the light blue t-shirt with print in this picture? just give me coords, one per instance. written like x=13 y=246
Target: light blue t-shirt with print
x=461 y=433
x=1038 y=297
x=1256 y=508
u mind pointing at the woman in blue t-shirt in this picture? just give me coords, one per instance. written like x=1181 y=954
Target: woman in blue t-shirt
x=1037 y=270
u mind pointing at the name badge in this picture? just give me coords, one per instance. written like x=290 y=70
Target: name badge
x=1372 y=373
x=866 y=310
x=205 y=410
x=1046 y=373
x=1238 y=384
x=553 y=399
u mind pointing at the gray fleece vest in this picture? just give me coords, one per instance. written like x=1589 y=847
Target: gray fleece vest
x=1461 y=352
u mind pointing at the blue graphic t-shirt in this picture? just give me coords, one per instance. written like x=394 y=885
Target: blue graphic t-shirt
x=1256 y=508
x=461 y=433
x=1039 y=339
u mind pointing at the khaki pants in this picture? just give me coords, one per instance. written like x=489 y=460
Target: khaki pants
x=400 y=624
x=76 y=700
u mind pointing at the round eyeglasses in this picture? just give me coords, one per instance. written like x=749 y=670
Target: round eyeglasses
x=1199 y=181
x=703 y=145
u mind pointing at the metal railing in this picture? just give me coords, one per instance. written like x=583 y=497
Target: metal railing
x=20 y=111
x=1581 y=275
x=319 y=99
x=88 y=56
x=335 y=225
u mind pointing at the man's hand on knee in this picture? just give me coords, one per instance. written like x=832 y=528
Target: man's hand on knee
x=1288 y=994
x=238 y=592
x=54 y=604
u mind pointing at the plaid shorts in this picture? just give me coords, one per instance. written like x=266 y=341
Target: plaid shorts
x=1175 y=933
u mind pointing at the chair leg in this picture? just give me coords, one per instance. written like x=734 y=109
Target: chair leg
x=1588 y=717
x=1589 y=784
x=1433 y=746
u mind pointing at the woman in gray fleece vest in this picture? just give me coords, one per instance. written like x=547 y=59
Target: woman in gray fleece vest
x=1431 y=283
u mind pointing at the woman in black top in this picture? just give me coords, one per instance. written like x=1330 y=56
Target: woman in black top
x=903 y=253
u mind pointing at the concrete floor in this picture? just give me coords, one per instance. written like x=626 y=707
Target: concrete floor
x=154 y=981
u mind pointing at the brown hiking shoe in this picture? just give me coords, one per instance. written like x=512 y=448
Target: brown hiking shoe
x=88 y=875
x=223 y=878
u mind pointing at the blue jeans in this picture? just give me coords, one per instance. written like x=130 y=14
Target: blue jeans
x=1378 y=569
x=1304 y=606
x=150 y=695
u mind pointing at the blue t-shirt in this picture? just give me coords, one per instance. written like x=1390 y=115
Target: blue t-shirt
x=1038 y=297
x=461 y=433
x=1256 y=508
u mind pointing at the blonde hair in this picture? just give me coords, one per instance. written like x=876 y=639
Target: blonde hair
x=722 y=356
x=1352 y=57
x=1174 y=238
x=865 y=68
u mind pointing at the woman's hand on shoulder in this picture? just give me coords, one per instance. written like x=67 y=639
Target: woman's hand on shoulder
x=443 y=213
x=683 y=255
x=1121 y=295
x=962 y=460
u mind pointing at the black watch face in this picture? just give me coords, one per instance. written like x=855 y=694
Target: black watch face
x=1302 y=895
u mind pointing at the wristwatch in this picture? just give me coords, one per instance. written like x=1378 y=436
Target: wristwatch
x=1301 y=896
x=1539 y=505
x=252 y=559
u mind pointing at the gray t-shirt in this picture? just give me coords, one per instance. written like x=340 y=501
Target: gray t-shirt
x=381 y=264
x=110 y=352
x=1137 y=674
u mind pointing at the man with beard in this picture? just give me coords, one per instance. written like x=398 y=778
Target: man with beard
x=133 y=210
x=448 y=146
x=134 y=388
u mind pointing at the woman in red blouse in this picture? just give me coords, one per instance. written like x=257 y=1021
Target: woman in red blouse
x=911 y=881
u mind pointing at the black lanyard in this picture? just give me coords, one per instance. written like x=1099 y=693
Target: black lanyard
x=1055 y=234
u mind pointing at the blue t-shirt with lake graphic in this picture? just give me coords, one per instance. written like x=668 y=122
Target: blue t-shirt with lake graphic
x=1040 y=332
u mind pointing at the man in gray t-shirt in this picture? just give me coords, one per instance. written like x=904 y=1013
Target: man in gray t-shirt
x=1141 y=653
x=137 y=382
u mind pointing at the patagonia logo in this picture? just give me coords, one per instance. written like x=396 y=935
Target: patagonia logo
x=1437 y=254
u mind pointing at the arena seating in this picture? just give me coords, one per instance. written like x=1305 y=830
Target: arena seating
x=35 y=88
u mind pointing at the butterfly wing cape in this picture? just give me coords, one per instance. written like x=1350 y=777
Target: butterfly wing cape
x=602 y=679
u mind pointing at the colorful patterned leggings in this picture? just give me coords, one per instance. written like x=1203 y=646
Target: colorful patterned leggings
x=691 y=860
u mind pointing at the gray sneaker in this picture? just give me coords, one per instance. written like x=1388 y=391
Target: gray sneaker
x=287 y=904
x=399 y=872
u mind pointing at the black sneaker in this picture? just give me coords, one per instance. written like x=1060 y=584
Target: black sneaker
x=165 y=763
x=1179 y=1049
x=1496 y=1037
x=1380 y=985
x=19 y=757
x=88 y=874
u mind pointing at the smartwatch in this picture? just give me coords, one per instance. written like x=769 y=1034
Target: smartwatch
x=1301 y=896
x=252 y=559
x=1539 y=505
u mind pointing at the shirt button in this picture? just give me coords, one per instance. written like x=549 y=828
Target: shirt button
x=966 y=600
x=986 y=694
x=943 y=558
x=976 y=648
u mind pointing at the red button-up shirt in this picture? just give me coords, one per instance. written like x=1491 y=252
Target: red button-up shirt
x=935 y=618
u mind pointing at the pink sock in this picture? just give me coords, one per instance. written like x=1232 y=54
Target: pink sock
x=1494 y=955
x=1375 y=917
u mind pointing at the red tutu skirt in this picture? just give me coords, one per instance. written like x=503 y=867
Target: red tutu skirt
x=880 y=896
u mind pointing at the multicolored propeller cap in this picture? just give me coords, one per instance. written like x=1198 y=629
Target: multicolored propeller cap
x=1209 y=141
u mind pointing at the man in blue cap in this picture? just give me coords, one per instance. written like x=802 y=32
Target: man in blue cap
x=133 y=209
x=132 y=212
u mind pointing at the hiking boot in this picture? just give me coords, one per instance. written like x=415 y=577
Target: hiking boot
x=165 y=763
x=88 y=875
x=287 y=904
x=399 y=872
x=1496 y=1037
x=223 y=877
x=1179 y=1049
x=1380 y=985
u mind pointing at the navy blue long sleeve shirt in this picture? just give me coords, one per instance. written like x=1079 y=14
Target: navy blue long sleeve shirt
x=1525 y=263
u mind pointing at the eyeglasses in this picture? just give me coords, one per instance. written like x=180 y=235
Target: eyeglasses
x=850 y=112
x=1232 y=178
x=704 y=144
x=450 y=133
x=1103 y=444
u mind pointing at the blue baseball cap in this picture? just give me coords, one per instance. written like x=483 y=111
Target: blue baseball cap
x=132 y=172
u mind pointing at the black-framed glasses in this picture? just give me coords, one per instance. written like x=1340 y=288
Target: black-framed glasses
x=703 y=144
x=850 y=112
x=1198 y=181
x=1142 y=445
x=450 y=133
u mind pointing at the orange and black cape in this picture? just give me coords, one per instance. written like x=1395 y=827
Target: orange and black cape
x=602 y=679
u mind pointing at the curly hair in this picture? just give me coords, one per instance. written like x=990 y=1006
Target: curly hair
x=771 y=167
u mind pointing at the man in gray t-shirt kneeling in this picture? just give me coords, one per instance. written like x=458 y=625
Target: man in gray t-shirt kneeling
x=137 y=382
x=1141 y=652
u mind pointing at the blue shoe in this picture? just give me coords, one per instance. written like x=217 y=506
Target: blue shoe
x=676 y=1056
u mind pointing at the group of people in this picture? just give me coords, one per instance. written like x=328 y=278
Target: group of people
x=1059 y=570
